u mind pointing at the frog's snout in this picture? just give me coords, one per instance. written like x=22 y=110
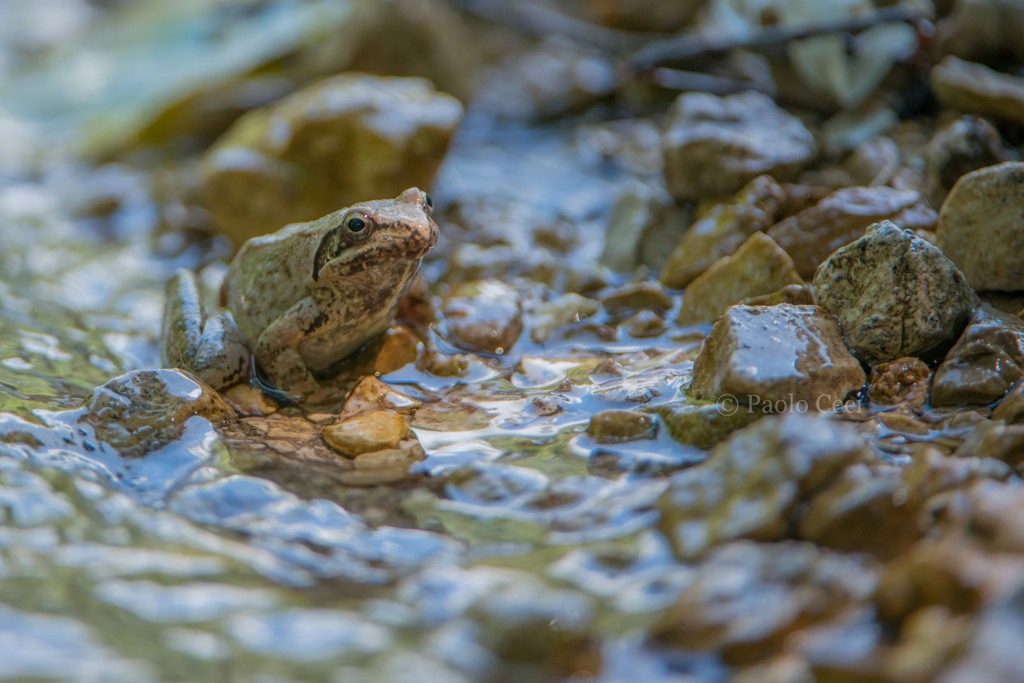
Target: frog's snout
x=417 y=197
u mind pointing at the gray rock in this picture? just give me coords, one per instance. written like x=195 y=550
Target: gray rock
x=894 y=295
x=985 y=362
x=774 y=358
x=484 y=316
x=977 y=89
x=713 y=145
x=981 y=230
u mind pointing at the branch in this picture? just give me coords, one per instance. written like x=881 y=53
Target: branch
x=690 y=45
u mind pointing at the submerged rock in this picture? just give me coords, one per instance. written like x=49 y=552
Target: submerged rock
x=752 y=483
x=843 y=216
x=714 y=145
x=616 y=426
x=759 y=267
x=720 y=230
x=143 y=410
x=965 y=145
x=980 y=227
x=484 y=316
x=1011 y=408
x=776 y=358
x=346 y=139
x=703 y=425
x=985 y=362
x=894 y=295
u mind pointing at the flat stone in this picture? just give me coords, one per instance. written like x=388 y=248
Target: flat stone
x=980 y=227
x=367 y=432
x=714 y=145
x=843 y=216
x=752 y=484
x=894 y=295
x=903 y=381
x=965 y=145
x=775 y=358
x=485 y=316
x=977 y=89
x=759 y=267
x=994 y=439
x=985 y=362
x=720 y=230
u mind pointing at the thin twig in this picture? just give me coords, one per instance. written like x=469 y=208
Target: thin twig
x=675 y=79
x=690 y=45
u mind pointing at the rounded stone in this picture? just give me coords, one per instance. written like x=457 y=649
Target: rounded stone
x=981 y=227
x=894 y=295
x=367 y=432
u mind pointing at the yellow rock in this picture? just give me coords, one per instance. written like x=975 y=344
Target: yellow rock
x=367 y=432
x=759 y=267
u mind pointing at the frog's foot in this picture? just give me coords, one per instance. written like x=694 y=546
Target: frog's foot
x=211 y=348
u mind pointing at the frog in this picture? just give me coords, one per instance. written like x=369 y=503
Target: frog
x=296 y=302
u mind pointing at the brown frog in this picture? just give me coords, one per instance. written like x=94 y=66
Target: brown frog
x=303 y=298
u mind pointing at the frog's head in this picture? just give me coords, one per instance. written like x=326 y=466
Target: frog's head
x=375 y=233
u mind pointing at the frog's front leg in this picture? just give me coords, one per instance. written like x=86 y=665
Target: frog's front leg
x=277 y=350
x=211 y=348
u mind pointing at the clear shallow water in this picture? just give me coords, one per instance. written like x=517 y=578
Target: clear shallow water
x=174 y=566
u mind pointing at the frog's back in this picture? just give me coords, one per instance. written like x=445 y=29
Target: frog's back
x=269 y=275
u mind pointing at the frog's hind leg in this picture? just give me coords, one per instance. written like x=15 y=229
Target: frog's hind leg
x=211 y=348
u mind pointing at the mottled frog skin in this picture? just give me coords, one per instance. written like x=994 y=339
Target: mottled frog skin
x=303 y=298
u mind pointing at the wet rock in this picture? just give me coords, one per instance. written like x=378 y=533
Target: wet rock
x=965 y=145
x=714 y=145
x=775 y=358
x=752 y=483
x=990 y=513
x=950 y=573
x=636 y=296
x=759 y=267
x=485 y=316
x=985 y=362
x=980 y=227
x=398 y=347
x=1011 y=408
x=616 y=426
x=848 y=514
x=747 y=599
x=997 y=440
x=367 y=432
x=843 y=216
x=720 y=230
x=643 y=325
x=704 y=425
x=561 y=312
x=903 y=381
x=143 y=410
x=632 y=213
x=798 y=295
x=894 y=295
x=977 y=89
x=371 y=394
x=342 y=140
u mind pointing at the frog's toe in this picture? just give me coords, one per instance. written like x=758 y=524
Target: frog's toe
x=222 y=359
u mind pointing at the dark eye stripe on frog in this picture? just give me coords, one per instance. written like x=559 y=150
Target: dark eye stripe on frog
x=354 y=228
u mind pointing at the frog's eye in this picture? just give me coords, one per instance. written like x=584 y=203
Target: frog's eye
x=356 y=223
x=428 y=202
